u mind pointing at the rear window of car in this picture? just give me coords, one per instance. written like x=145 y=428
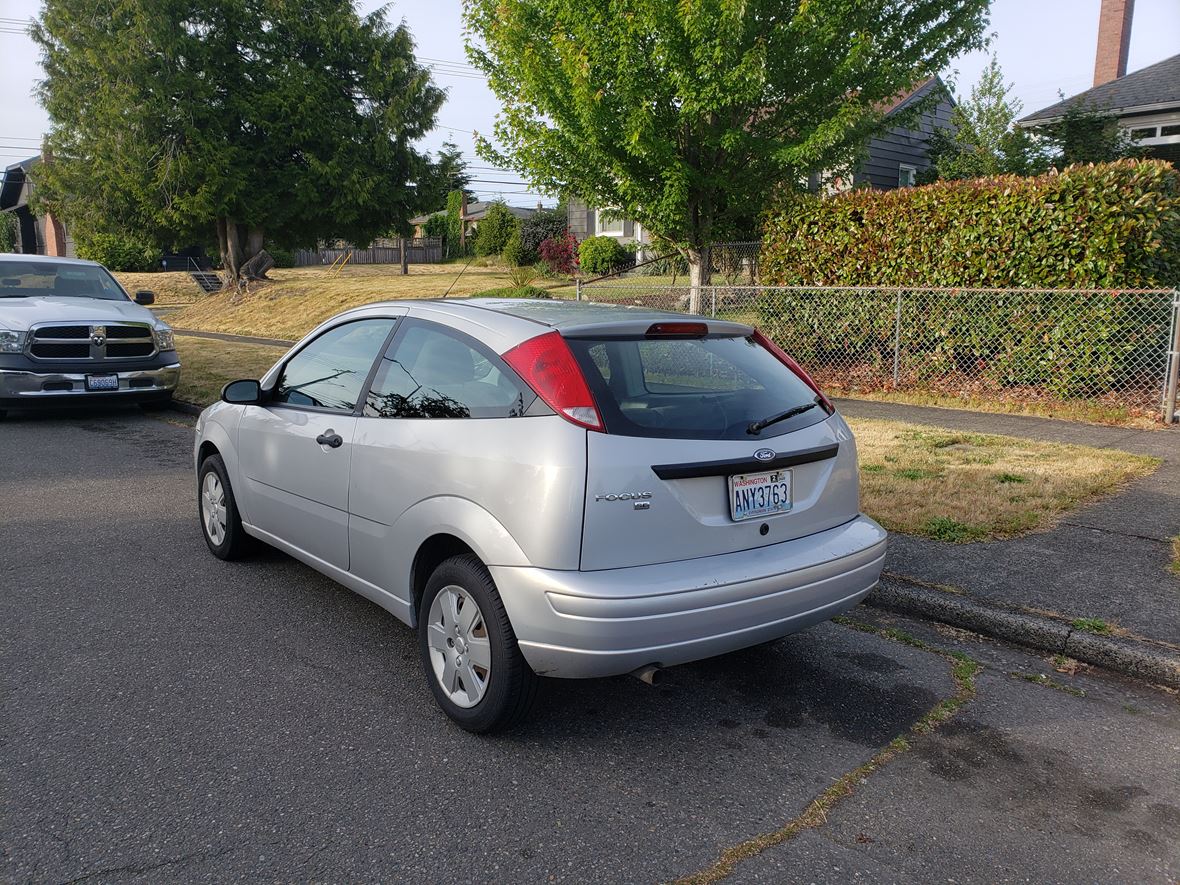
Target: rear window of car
x=697 y=388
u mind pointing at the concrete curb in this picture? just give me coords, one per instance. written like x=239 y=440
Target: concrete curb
x=1134 y=657
x=234 y=339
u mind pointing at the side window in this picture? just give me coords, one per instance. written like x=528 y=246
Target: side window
x=330 y=371
x=433 y=372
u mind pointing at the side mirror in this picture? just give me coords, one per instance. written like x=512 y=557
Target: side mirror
x=145 y=297
x=246 y=392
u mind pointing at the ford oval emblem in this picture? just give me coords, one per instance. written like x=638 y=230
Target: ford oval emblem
x=764 y=455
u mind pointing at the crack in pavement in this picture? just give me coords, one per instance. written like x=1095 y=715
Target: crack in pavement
x=815 y=815
x=140 y=868
x=1115 y=532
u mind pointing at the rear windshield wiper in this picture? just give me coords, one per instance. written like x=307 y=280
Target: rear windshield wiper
x=759 y=426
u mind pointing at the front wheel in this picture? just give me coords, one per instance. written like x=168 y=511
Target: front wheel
x=469 y=652
x=220 y=522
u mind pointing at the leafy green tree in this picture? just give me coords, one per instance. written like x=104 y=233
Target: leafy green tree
x=455 y=242
x=495 y=228
x=7 y=232
x=683 y=114
x=1087 y=134
x=436 y=225
x=262 y=120
x=983 y=138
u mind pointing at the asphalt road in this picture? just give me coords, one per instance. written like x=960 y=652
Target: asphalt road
x=166 y=716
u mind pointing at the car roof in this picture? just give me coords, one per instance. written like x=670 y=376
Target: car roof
x=49 y=259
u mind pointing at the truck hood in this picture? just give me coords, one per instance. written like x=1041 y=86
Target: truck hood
x=18 y=314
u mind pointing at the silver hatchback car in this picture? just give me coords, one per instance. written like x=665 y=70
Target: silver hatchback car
x=546 y=488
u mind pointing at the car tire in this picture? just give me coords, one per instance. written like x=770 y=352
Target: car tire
x=221 y=524
x=471 y=659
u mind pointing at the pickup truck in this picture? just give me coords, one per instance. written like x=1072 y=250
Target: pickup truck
x=70 y=334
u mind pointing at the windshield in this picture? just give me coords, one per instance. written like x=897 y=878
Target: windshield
x=27 y=279
x=698 y=388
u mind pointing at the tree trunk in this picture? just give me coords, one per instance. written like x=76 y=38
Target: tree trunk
x=700 y=276
x=238 y=246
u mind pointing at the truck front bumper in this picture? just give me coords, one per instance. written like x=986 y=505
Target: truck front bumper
x=602 y=623
x=20 y=388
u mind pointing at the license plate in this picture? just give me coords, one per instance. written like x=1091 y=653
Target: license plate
x=754 y=495
x=102 y=382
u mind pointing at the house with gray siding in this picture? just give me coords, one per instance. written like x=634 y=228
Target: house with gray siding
x=892 y=159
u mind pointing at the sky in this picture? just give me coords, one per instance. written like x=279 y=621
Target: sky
x=1043 y=46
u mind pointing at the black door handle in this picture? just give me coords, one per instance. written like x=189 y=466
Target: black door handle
x=331 y=439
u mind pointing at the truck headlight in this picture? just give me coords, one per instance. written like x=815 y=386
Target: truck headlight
x=11 y=342
x=164 y=339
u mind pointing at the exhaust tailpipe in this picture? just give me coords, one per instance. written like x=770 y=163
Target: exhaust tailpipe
x=651 y=674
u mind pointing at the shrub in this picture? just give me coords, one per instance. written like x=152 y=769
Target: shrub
x=560 y=254
x=600 y=255
x=494 y=230
x=7 y=231
x=545 y=224
x=436 y=226
x=1111 y=227
x=118 y=252
x=521 y=276
x=282 y=257
x=513 y=253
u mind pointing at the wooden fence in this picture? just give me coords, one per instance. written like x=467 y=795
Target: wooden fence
x=420 y=250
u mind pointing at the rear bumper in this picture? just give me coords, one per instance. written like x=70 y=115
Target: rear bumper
x=602 y=623
x=20 y=388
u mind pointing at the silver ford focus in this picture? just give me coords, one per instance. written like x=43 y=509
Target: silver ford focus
x=546 y=488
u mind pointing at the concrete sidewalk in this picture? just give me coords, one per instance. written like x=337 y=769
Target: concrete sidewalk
x=1107 y=560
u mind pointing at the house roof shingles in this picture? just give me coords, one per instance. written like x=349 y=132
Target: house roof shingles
x=1157 y=84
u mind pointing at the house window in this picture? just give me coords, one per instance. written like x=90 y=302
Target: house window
x=607 y=224
x=1144 y=132
x=907 y=176
x=1169 y=130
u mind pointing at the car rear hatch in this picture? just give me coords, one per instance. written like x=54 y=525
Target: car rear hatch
x=715 y=441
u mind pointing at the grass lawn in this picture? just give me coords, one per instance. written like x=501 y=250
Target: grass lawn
x=962 y=487
x=206 y=366
x=300 y=298
x=171 y=288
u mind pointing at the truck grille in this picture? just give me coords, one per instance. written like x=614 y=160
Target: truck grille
x=92 y=342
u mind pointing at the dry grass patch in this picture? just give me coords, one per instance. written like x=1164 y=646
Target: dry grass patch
x=300 y=298
x=1089 y=411
x=172 y=287
x=961 y=487
x=206 y=366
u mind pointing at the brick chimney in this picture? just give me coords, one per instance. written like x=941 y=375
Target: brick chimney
x=1114 y=39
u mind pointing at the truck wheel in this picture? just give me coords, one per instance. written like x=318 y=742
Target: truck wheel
x=469 y=652
x=220 y=523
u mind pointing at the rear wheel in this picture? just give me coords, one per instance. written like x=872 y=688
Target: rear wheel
x=473 y=665
x=220 y=522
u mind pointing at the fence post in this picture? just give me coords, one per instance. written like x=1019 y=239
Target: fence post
x=1173 y=362
x=897 y=340
x=713 y=299
x=578 y=287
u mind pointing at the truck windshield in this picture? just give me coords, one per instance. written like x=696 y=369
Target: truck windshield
x=29 y=279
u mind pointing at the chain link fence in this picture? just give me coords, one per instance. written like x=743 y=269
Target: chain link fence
x=1112 y=348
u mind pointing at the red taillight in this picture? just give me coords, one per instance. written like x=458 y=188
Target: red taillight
x=787 y=360
x=547 y=366
x=677 y=330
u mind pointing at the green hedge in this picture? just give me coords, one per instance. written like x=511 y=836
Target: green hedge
x=1113 y=227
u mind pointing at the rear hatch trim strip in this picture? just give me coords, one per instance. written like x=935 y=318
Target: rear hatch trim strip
x=733 y=466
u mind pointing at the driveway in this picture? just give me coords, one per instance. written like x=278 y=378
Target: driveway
x=164 y=715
